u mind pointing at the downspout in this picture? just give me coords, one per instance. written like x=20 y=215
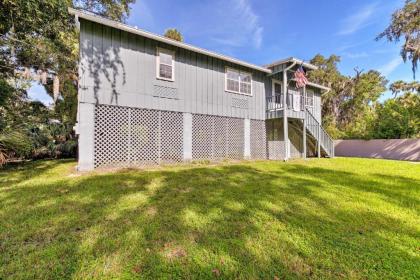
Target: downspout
x=76 y=126
x=285 y=122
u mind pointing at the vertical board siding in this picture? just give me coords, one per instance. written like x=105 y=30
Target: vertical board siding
x=119 y=68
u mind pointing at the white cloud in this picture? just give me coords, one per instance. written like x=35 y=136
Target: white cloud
x=237 y=24
x=249 y=20
x=222 y=24
x=141 y=16
x=358 y=20
x=356 y=55
x=389 y=67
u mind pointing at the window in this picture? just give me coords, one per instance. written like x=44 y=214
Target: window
x=165 y=62
x=238 y=81
x=309 y=98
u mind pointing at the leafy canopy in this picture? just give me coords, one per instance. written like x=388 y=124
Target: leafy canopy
x=41 y=35
x=405 y=23
x=174 y=34
x=398 y=118
x=347 y=107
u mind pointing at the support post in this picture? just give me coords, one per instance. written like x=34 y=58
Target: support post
x=285 y=122
x=187 y=136
x=319 y=141
x=304 y=122
x=304 y=138
x=85 y=128
x=247 y=138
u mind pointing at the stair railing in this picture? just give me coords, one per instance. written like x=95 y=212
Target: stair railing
x=319 y=133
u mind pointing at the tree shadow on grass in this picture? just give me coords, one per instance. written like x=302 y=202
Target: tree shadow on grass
x=27 y=170
x=234 y=221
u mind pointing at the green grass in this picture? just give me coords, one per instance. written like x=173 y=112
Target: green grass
x=321 y=218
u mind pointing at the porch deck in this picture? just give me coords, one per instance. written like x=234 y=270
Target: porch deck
x=295 y=108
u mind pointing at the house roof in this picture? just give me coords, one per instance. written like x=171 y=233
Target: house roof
x=295 y=60
x=127 y=28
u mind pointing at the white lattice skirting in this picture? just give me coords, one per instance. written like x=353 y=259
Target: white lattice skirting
x=125 y=137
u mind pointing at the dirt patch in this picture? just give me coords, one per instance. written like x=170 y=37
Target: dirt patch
x=151 y=211
x=172 y=252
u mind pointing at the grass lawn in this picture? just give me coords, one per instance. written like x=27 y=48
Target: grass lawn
x=321 y=218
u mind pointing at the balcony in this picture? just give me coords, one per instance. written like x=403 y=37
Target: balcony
x=295 y=105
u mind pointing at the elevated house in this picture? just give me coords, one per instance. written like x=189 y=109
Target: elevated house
x=146 y=99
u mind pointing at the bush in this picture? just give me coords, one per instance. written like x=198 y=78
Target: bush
x=14 y=144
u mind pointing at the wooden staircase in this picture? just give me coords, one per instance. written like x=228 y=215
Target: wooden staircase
x=315 y=129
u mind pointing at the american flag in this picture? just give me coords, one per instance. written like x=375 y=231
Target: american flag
x=300 y=77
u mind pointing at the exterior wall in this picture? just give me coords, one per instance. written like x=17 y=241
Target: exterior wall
x=399 y=149
x=119 y=68
x=317 y=108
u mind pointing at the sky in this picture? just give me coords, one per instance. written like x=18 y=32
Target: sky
x=263 y=31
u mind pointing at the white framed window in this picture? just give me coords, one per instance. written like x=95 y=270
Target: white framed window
x=238 y=81
x=309 y=98
x=165 y=65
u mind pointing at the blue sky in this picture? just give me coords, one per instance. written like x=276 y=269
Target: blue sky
x=262 y=31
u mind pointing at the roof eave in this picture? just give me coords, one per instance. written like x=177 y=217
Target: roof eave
x=326 y=89
x=127 y=28
x=295 y=60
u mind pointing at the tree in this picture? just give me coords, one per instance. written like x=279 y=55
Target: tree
x=174 y=34
x=347 y=108
x=41 y=35
x=405 y=23
x=398 y=118
x=403 y=87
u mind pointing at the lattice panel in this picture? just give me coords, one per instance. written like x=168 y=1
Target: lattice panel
x=258 y=139
x=239 y=103
x=220 y=138
x=235 y=138
x=136 y=137
x=165 y=92
x=216 y=138
x=171 y=136
x=111 y=136
x=202 y=137
x=144 y=142
x=276 y=150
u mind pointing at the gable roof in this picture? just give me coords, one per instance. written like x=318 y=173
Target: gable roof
x=293 y=60
x=118 y=25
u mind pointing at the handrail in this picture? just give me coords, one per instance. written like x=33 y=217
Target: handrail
x=314 y=127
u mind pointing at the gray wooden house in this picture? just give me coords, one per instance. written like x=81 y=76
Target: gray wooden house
x=146 y=99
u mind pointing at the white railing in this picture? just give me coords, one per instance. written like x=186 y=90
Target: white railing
x=317 y=131
x=276 y=102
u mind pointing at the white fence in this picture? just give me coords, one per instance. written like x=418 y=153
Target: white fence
x=399 y=149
